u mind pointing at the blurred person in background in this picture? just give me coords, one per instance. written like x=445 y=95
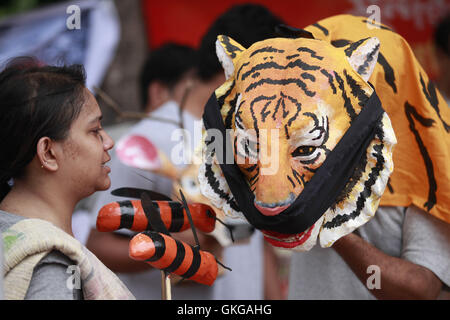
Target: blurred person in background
x=442 y=46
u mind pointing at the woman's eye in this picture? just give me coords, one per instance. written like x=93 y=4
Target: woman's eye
x=97 y=130
x=303 y=151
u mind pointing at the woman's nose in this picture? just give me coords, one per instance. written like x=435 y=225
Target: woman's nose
x=108 y=142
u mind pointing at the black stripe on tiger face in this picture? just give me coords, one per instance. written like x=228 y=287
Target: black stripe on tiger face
x=321 y=126
x=273 y=65
x=312 y=52
x=290 y=180
x=308 y=76
x=330 y=79
x=255 y=118
x=302 y=85
x=238 y=120
x=240 y=69
x=254 y=178
x=300 y=178
x=266 y=49
x=264 y=113
x=292 y=56
x=347 y=102
x=214 y=184
x=231 y=112
x=279 y=102
x=246 y=149
x=356 y=90
x=289 y=123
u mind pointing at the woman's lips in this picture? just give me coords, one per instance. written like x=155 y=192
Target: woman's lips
x=108 y=169
x=270 y=211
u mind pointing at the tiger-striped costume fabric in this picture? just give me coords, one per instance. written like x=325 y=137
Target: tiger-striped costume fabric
x=310 y=91
x=420 y=115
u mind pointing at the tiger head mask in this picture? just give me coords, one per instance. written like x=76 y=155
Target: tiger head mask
x=286 y=107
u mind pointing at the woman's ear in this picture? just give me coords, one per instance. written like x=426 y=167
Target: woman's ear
x=46 y=154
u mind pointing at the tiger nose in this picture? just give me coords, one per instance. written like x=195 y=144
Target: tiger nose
x=274 y=208
x=272 y=195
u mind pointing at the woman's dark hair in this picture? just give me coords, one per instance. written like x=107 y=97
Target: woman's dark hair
x=35 y=101
x=166 y=64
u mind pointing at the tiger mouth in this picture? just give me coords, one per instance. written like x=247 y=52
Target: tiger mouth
x=287 y=240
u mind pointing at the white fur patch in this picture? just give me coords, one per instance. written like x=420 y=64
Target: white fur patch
x=360 y=56
x=225 y=60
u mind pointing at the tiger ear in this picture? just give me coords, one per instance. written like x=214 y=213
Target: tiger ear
x=227 y=51
x=363 y=56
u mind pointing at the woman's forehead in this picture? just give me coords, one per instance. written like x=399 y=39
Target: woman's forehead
x=90 y=112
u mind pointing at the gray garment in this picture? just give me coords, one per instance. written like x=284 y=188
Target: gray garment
x=49 y=280
x=411 y=234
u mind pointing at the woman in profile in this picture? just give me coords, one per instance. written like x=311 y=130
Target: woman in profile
x=53 y=154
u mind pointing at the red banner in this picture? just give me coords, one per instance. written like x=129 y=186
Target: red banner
x=187 y=21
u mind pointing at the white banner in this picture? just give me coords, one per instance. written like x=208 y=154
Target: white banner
x=76 y=32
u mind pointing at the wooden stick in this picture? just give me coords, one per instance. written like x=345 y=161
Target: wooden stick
x=166 y=292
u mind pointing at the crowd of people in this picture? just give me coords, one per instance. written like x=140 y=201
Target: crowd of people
x=56 y=153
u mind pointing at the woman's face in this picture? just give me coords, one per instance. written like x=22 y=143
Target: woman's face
x=85 y=151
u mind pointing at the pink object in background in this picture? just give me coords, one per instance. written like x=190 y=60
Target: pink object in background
x=138 y=152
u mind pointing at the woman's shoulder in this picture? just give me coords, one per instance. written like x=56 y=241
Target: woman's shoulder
x=8 y=219
x=56 y=276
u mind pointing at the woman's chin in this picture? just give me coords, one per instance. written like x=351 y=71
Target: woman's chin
x=104 y=185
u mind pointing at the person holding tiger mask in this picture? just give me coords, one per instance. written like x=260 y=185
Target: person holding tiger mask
x=325 y=88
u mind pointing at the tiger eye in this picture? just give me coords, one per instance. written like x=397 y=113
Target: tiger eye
x=303 y=151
